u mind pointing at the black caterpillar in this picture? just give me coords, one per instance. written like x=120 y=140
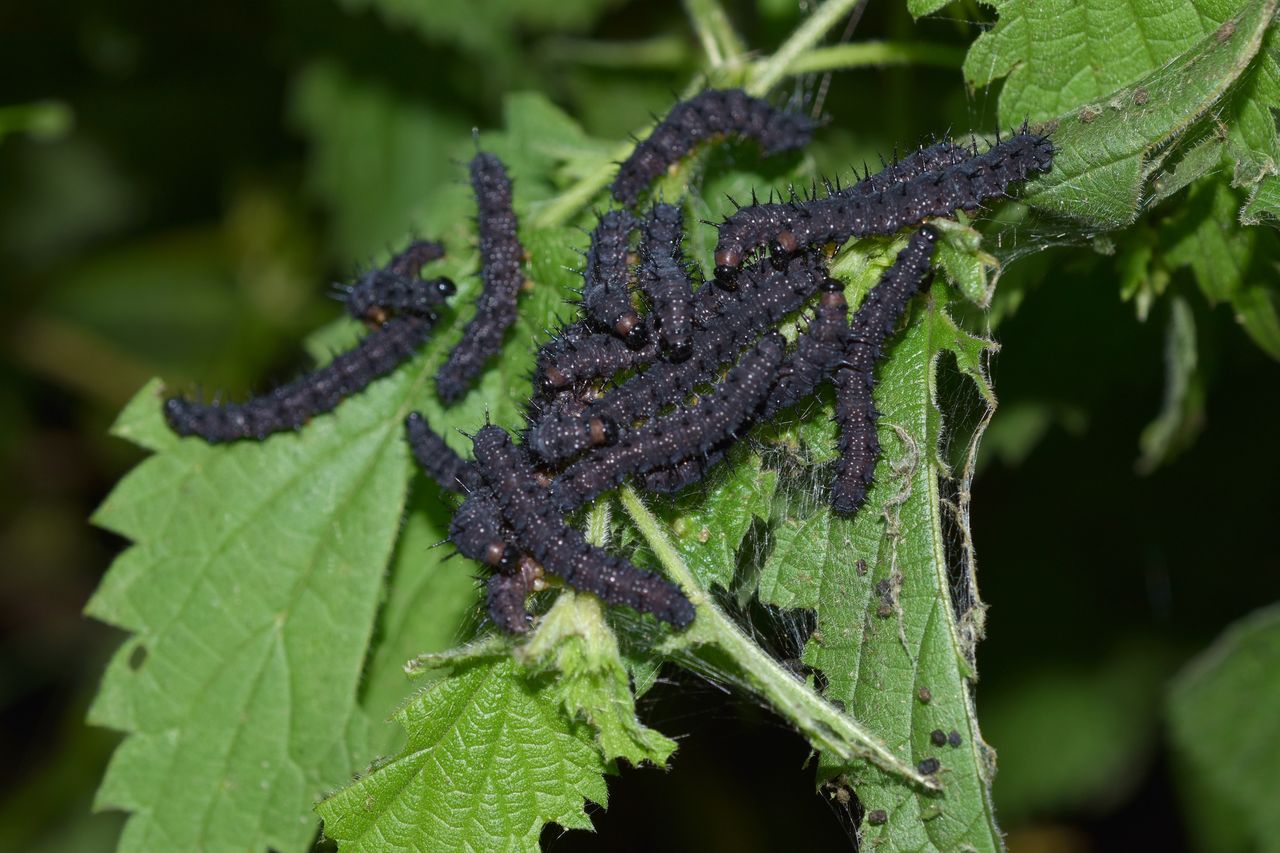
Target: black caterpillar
x=395 y=289
x=664 y=279
x=687 y=433
x=710 y=113
x=855 y=379
x=536 y=526
x=290 y=406
x=606 y=294
x=576 y=355
x=819 y=351
x=500 y=256
x=437 y=459
x=766 y=294
x=966 y=185
x=659 y=397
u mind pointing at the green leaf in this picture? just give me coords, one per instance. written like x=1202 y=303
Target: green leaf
x=966 y=265
x=574 y=641
x=545 y=147
x=887 y=623
x=1195 y=164
x=490 y=760
x=1253 y=146
x=709 y=527
x=432 y=603
x=1226 y=734
x=1264 y=204
x=1107 y=137
x=1059 y=55
x=920 y=8
x=1233 y=265
x=250 y=590
x=244 y=555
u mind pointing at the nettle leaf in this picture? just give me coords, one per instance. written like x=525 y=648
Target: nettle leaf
x=709 y=528
x=432 y=603
x=1232 y=265
x=490 y=759
x=250 y=590
x=882 y=591
x=1263 y=206
x=574 y=642
x=1226 y=734
x=1059 y=55
x=1109 y=135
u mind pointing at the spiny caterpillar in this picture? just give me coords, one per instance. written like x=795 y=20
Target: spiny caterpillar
x=707 y=115
x=500 y=256
x=394 y=289
x=965 y=185
x=855 y=378
x=664 y=278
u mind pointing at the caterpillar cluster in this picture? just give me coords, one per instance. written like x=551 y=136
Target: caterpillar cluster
x=663 y=373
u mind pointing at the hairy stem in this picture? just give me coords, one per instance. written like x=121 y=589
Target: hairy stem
x=773 y=69
x=821 y=722
x=663 y=53
x=716 y=34
x=875 y=53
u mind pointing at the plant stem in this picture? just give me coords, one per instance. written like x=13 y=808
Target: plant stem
x=562 y=207
x=664 y=53
x=715 y=32
x=821 y=722
x=870 y=53
x=773 y=69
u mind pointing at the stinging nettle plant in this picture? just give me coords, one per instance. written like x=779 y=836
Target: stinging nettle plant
x=274 y=591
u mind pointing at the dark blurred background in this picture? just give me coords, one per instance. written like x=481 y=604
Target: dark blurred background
x=179 y=183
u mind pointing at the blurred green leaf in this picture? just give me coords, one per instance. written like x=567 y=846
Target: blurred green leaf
x=383 y=165
x=1075 y=739
x=487 y=28
x=42 y=119
x=1226 y=733
x=1233 y=265
x=1019 y=427
x=1181 y=414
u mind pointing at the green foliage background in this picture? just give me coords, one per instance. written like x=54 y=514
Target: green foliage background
x=173 y=213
